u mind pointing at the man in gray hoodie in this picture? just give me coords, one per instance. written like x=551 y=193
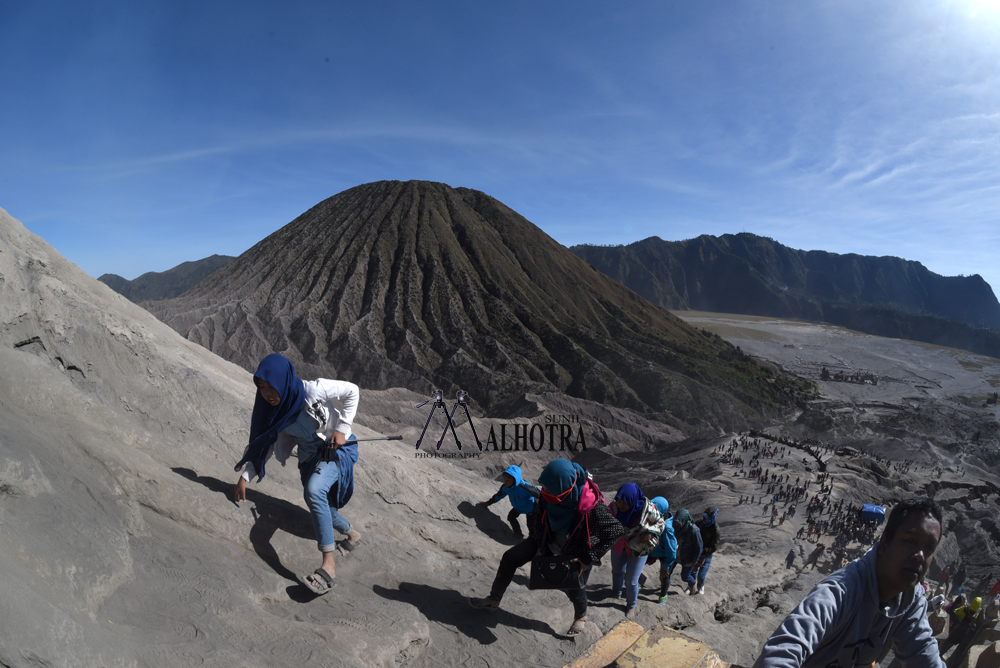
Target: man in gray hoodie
x=851 y=618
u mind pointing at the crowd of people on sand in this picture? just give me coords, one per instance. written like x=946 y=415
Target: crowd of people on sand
x=780 y=496
x=570 y=524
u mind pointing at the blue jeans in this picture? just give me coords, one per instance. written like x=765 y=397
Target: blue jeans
x=703 y=571
x=625 y=570
x=317 y=479
x=687 y=574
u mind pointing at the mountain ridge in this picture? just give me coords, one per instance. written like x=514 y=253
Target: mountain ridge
x=157 y=285
x=679 y=274
x=747 y=274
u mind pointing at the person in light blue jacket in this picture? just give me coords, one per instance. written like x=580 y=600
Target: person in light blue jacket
x=853 y=617
x=666 y=549
x=522 y=497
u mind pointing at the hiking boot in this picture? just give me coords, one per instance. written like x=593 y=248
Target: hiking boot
x=484 y=603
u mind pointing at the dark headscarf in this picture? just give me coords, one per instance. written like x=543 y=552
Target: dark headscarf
x=632 y=495
x=683 y=519
x=708 y=517
x=558 y=476
x=268 y=420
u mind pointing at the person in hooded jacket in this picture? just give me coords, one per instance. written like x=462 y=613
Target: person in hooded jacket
x=666 y=550
x=854 y=616
x=709 y=530
x=643 y=528
x=570 y=519
x=689 y=547
x=522 y=497
x=312 y=416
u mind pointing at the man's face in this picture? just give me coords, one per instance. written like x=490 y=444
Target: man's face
x=904 y=560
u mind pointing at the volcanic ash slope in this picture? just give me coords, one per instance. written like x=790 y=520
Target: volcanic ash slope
x=119 y=546
x=424 y=286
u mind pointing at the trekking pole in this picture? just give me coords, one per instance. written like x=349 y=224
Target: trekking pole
x=377 y=438
x=326 y=452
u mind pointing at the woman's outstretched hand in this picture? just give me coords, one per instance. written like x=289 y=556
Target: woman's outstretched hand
x=240 y=493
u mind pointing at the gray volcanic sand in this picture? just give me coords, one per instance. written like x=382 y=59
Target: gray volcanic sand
x=916 y=369
x=120 y=546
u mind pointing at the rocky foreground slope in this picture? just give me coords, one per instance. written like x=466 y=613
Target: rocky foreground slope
x=421 y=285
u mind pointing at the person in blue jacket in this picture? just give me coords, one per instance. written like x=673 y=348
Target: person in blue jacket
x=666 y=550
x=521 y=494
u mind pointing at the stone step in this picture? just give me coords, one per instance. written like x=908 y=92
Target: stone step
x=664 y=647
x=604 y=652
x=985 y=656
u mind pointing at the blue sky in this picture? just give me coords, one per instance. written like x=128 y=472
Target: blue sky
x=135 y=136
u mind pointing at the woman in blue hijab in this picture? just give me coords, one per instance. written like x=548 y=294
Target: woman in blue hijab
x=636 y=515
x=311 y=416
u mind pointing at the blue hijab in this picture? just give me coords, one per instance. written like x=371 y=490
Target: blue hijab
x=708 y=517
x=558 y=476
x=632 y=495
x=268 y=420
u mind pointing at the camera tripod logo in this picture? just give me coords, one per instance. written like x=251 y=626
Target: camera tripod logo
x=438 y=399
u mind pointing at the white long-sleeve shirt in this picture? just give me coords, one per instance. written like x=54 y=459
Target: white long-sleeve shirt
x=338 y=397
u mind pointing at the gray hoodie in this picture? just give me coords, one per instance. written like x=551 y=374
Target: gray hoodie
x=840 y=624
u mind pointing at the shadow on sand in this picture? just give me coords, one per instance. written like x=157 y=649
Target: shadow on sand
x=488 y=523
x=269 y=515
x=448 y=607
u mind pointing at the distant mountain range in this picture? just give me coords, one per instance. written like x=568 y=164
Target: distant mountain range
x=420 y=285
x=153 y=285
x=748 y=274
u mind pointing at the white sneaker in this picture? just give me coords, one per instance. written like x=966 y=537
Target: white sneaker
x=701 y=591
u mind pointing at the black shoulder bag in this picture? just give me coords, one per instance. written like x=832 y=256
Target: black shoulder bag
x=554 y=573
